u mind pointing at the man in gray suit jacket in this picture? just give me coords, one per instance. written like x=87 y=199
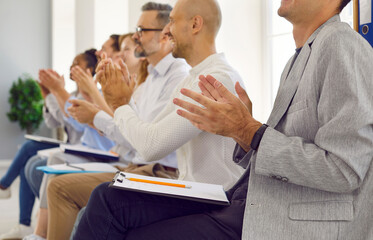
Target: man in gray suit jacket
x=309 y=170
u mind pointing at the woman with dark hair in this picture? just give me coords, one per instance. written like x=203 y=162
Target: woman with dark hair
x=87 y=60
x=90 y=137
x=53 y=117
x=137 y=66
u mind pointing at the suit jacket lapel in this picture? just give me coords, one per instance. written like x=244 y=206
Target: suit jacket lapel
x=284 y=76
x=289 y=86
x=290 y=80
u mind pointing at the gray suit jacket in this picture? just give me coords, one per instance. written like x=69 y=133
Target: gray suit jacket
x=312 y=176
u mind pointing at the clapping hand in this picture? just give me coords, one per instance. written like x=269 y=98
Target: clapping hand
x=116 y=82
x=51 y=80
x=84 y=80
x=83 y=111
x=206 y=85
x=44 y=91
x=55 y=84
x=222 y=112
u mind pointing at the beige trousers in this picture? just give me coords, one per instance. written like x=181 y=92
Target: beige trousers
x=68 y=193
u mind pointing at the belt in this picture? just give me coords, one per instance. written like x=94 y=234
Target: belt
x=170 y=169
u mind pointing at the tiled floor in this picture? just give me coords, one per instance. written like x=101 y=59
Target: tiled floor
x=9 y=209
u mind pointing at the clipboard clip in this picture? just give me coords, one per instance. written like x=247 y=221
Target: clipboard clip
x=123 y=175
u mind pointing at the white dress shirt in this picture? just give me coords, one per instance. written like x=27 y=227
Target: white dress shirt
x=148 y=100
x=202 y=156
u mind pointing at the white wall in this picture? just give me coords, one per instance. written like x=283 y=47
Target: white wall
x=111 y=17
x=240 y=38
x=63 y=32
x=24 y=47
x=84 y=25
x=79 y=25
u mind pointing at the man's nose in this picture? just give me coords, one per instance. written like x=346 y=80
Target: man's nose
x=166 y=30
x=135 y=36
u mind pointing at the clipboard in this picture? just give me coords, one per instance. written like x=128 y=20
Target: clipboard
x=89 y=152
x=44 y=139
x=195 y=191
x=78 y=168
x=365 y=20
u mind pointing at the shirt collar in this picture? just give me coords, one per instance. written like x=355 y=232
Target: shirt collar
x=335 y=18
x=205 y=63
x=162 y=66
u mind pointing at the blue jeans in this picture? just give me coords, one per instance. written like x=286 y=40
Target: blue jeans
x=26 y=196
x=33 y=176
x=118 y=214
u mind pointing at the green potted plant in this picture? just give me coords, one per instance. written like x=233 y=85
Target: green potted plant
x=26 y=103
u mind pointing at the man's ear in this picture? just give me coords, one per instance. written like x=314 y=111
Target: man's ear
x=197 y=24
x=163 y=37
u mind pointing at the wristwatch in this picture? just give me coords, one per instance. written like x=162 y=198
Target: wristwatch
x=258 y=137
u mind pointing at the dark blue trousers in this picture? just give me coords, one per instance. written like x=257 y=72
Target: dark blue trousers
x=118 y=214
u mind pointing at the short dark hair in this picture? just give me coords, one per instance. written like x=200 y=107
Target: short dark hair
x=115 y=44
x=164 y=10
x=343 y=4
x=91 y=59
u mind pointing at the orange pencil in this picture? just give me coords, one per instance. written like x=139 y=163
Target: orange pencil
x=112 y=152
x=159 y=183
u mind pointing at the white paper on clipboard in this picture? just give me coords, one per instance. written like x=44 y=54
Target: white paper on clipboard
x=365 y=7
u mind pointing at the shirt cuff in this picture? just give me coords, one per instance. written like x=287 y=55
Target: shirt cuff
x=240 y=157
x=48 y=102
x=132 y=104
x=101 y=119
x=121 y=111
x=67 y=104
x=49 y=98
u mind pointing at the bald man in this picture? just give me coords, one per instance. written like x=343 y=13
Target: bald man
x=310 y=168
x=202 y=156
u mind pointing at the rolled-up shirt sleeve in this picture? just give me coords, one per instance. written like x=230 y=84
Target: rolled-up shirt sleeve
x=105 y=123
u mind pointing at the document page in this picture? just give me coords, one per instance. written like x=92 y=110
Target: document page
x=87 y=151
x=43 y=139
x=48 y=152
x=193 y=190
x=95 y=167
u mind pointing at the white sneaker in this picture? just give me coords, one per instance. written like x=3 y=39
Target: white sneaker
x=5 y=193
x=33 y=237
x=17 y=232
